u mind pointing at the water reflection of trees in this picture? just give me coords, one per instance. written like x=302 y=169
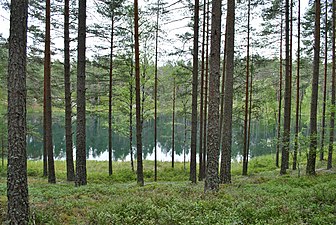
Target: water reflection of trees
x=262 y=138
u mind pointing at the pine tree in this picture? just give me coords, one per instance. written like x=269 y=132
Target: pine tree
x=213 y=137
x=246 y=150
x=193 y=146
x=311 y=161
x=225 y=173
x=47 y=100
x=297 y=115
x=67 y=94
x=81 y=120
x=287 y=107
x=17 y=185
x=140 y=178
x=333 y=88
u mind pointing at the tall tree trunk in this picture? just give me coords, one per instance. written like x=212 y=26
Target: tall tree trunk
x=17 y=185
x=45 y=147
x=81 y=120
x=200 y=176
x=213 y=139
x=173 y=124
x=193 y=176
x=324 y=81
x=297 y=127
x=245 y=150
x=287 y=108
x=311 y=161
x=47 y=113
x=110 y=98
x=155 y=88
x=140 y=178
x=67 y=93
x=250 y=114
x=205 y=126
x=290 y=69
x=333 y=74
x=280 y=97
x=225 y=173
x=131 y=114
x=223 y=89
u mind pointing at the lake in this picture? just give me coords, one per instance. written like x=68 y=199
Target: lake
x=262 y=142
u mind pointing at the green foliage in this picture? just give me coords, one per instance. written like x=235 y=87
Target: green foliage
x=262 y=198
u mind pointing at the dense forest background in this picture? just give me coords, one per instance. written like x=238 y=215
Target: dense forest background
x=174 y=66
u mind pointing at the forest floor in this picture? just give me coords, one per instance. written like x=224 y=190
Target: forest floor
x=263 y=197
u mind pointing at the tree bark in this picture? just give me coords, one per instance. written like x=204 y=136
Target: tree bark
x=205 y=128
x=287 y=108
x=290 y=70
x=155 y=88
x=280 y=98
x=140 y=178
x=17 y=185
x=250 y=114
x=213 y=137
x=333 y=74
x=193 y=146
x=311 y=161
x=245 y=150
x=67 y=93
x=223 y=88
x=200 y=175
x=131 y=114
x=110 y=97
x=297 y=116
x=81 y=178
x=324 y=81
x=47 y=113
x=225 y=173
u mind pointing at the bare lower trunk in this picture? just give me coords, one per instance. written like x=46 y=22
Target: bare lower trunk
x=17 y=185
x=205 y=126
x=110 y=99
x=324 y=81
x=155 y=89
x=225 y=173
x=245 y=150
x=131 y=114
x=140 y=178
x=200 y=176
x=193 y=176
x=213 y=137
x=296 y=144
x=311 y=161
x=47 y=113
x=67 y=93
x=280 y=101
x=333 y=74
x=81 y=104
x=287 y=108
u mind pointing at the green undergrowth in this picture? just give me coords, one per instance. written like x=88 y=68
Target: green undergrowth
x=263 y=197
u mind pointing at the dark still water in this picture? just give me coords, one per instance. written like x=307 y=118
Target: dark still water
x=97 y=139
